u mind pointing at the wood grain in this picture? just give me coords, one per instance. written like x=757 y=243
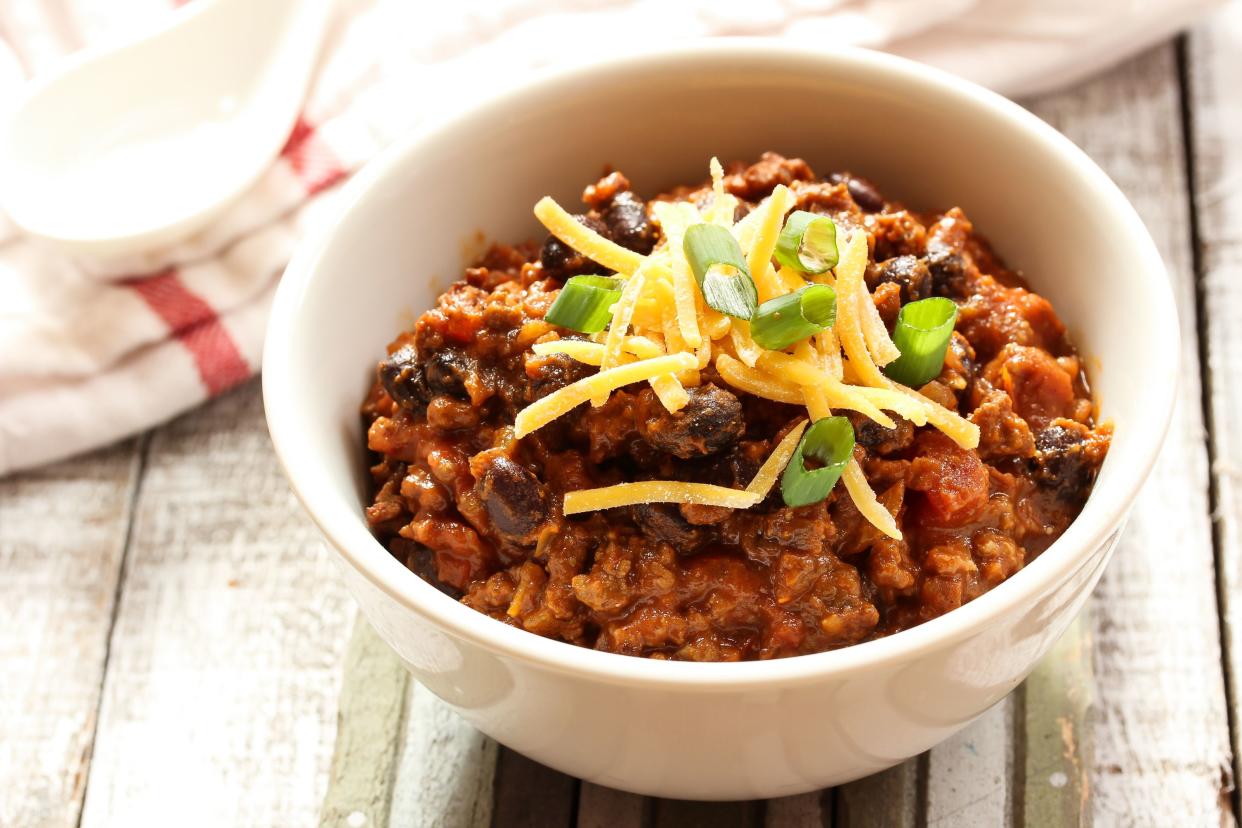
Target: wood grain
x=600 y=807
x=682 y=813
x=1162 y=745
x=810 y=810
x=1214 y=62
x=62 y=536
x=531 y=795
x=370 y=721
x=403 y=758
x=970 y=776
x=446 y=771
x=889 y=799
x=221 y=692
x=1057 y=732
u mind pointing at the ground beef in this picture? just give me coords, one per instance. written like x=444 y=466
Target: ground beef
x=465 y=506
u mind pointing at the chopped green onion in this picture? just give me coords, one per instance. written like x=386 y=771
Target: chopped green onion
x=830 y=442
x=922 y=335
x=787 y=319
x=720 y=269
x=808 y=243
x=585 y=303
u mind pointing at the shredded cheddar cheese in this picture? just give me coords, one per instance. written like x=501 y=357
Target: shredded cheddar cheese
x=664 y=334
x=772 y=216
x=816 y=402
x=745 y=347
x=864 y=498
x=622 y=315
x=657 y=491
x=756 y=383
x=543 y=411
x=771 y=469
x=592 y=353
x=585 y=240
x=674 y=220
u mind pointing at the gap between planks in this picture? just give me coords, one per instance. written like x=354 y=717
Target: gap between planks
x=63 y=532
x=135 y=489
x=1204 y=323
x=447 y=774
x=1211 y=66
x=220 y=693
x=1162 y=740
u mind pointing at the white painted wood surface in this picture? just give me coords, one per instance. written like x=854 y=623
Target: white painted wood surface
x=62 y=535
x=1214 y=60
x=444 y=776
x=220 y=697
x=219 y=703
x=1161 y=740
x=969 y=777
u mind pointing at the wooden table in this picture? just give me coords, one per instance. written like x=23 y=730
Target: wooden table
x=173 y=633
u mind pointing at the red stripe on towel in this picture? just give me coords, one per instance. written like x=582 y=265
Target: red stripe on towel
x=311 y=160
x=195 y=324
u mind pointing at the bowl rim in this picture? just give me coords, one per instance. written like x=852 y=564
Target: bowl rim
x=1101 y=518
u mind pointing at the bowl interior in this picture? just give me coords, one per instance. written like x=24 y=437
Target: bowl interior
x=924 y=139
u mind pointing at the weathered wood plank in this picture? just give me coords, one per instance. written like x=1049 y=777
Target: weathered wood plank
x=1162 y=745
x=682 y=813
x=62 y=537
x=889 y=799
x=1214 y=62
x=969 y=776
x=403 y=758
x=809 y=810
x=446 y=771
x=531 y=795
x=220 y=698
x=370 y=721
x=600 y=807
x=1057 y=738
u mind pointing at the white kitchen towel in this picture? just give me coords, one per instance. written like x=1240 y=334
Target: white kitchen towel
x=91 y=353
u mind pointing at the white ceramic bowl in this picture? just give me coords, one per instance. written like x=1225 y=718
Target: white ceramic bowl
x=718 y=731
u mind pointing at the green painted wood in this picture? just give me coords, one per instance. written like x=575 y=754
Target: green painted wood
x=368 y=742
x=1056 y=723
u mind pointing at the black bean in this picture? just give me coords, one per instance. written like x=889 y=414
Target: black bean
x=422 y=562
x=863 y=192
x=447 y=371
x=403 y=378
x=710 y=422
x=879 y=440
x=625 y=217
x=910 y=273
x=734 y=468
x=664 y=523
x=1062 y=462
x=948 y=270
x=561 y=261
x=553 y=373
x=516 y=501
